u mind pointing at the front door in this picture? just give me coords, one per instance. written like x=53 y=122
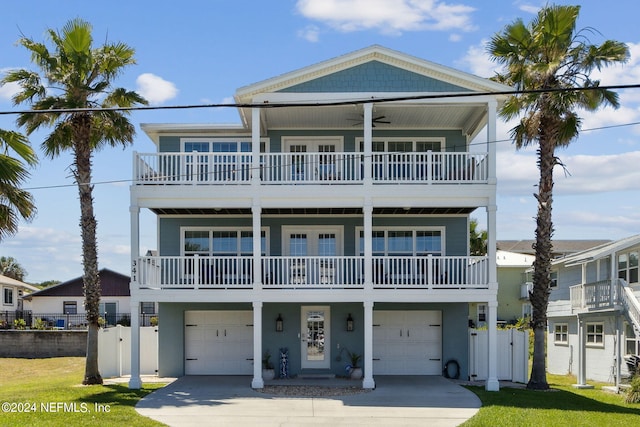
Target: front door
x=315 y=337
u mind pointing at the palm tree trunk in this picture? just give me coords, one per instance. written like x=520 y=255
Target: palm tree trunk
x=539 y=296
x=91 y=278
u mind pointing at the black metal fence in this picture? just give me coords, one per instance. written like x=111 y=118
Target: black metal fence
x=25 y=319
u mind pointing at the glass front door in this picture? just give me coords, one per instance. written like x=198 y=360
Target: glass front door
x=315 y=337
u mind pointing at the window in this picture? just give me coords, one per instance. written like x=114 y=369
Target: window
x=554 y=279
x=70 y=307
x=7 y=298
x=595 y=334
x=221 y=242
x=527 y=310
x=147 y=308
x=482 y=313
x=402 y=242
x=628 y=266
x=561 y=333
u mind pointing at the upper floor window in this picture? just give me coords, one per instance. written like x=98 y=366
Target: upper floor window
x=221 y=242
x=406 y=145
x=7 y=297
x=628 y=266
x=561 y=333
x=399 y=242
x=224 y=145
x=595 y=334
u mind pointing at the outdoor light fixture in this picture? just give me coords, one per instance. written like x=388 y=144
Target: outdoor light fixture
x=349 y=323
x=279 y=323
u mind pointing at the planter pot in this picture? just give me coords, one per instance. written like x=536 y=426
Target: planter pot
x=356 y=373
x=268 y=374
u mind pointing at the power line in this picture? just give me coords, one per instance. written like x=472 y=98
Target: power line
x=355 y=101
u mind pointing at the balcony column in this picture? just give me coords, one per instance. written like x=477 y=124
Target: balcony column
x=368 y=381
x=582 y=356
x=367 y=212
x=256 y=211
x=255 y=146
x=491 y=247
x=135 y=382
x=492 y=383
x=257 y=381
x=368 y=142
x=492 y=107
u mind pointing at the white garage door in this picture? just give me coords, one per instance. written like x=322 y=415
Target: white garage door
x=407 y=342
x=218 y=342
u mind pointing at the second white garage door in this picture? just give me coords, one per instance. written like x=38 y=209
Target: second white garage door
x=218 y=342
x=407 y=342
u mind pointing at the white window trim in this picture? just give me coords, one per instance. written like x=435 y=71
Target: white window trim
x=481 y=309
x=13 y=296
x=287 y=230
x=313 y=142
x=561 y=332
x=238 y=139
x=586 y=333
x=401 y=228
x=213 y=229
x=439 y=139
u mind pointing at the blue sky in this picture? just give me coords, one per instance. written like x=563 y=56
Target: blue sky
x=194 y=52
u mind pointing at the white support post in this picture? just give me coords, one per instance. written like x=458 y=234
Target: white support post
x=492 y=383
x=367 y=211
x=368 y=143
x=492 y=107
x=368 y=381
x=256 y=211
x=582 y=356
x=258 y=381
x=255 y=146
x=491 y=247
x=135 y=382
x=619 y=336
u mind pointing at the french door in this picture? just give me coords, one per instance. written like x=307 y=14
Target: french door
x=312 y=253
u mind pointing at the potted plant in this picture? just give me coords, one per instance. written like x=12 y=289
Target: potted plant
x=268 y=372
x=355 y=373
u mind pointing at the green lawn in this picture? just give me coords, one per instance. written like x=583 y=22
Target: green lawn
x=35 y=386
x=563 y=405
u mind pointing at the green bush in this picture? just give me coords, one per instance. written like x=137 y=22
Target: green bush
x=633 y=394
x=40 y=324
x=19 y=324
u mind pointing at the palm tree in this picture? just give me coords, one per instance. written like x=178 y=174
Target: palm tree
x=477 y=239
x=14 y=202
x=550 y=57
x=85 y=118
x=9 y=267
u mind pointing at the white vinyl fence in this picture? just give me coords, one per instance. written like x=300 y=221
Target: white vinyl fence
x=513 y=355
x=114 y=351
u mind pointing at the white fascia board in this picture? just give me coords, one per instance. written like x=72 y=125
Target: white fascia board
x=154 y=130
x=379 y=97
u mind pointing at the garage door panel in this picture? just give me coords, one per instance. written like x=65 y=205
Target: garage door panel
x=218 y=342
x=407 y=342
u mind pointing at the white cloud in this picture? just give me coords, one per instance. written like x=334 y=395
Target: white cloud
x=310 y=33
x=530 y=9
x=478 y=61
x=155 y=89
x=8 y=90
x=388 y=16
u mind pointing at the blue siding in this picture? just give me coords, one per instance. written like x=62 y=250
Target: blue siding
x=375 y=76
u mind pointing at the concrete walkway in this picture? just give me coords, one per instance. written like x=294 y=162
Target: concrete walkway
x=229 y=401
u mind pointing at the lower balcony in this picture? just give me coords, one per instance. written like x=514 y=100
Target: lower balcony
x=310 y=272
x=600 y=295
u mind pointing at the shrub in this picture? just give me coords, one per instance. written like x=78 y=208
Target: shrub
x=40 y=324
x=633 y=394
x=125 y=320
x=153 y=321
x=20 y=324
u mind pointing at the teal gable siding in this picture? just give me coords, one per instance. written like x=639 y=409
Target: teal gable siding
x=375 y=76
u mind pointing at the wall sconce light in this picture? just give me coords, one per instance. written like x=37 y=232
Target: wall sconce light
x=279 y=323
x=349 y=323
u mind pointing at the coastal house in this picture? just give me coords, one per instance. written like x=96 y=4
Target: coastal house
x=12 y=304
x=594 y=313
x=332 y=220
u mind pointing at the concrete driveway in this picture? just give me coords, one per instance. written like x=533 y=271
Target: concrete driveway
x=229 y=401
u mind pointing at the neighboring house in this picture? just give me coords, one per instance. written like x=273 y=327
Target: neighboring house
x=12 y=292
x=513 y=302
x=323 y=229
x=66 y=301
x=594 y=312
x=560 y=248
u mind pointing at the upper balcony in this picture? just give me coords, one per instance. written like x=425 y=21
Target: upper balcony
x=433 y=168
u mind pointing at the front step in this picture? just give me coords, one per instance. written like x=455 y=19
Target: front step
x=316 y=375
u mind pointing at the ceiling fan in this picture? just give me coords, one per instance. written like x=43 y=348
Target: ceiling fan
x=374 y=120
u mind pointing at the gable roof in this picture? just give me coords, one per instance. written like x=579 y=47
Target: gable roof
x=4 y=280
x=112 y=284
x=560 y=248
x=601 y=251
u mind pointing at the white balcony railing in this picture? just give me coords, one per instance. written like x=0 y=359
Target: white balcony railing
x=525 y=288
x=315 y=272
x=604 y=294
x=309 y=168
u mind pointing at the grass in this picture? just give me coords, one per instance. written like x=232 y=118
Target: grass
x=55 y=384
x=560 y=406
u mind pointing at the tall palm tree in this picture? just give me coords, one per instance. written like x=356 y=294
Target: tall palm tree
x=549 y=55
x=15 y=203
x=76 y=83
x=9 y=267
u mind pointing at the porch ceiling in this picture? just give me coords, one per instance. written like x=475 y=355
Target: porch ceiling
x=314 y=211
